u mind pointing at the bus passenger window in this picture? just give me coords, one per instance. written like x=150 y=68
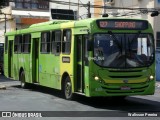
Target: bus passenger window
x=142 y=46
x=18 y=44
x=45 y=42
x=56 y=42
x=66 y=44
x=53 y=43
x=26 y=43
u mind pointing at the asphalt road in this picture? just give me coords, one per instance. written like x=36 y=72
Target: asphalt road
x=37 y=98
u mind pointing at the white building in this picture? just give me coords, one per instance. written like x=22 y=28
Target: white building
x=27 y=12
x=6 y=25
x=22 y=14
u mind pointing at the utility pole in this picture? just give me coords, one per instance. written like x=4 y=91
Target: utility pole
x=5 y=20
x=89 y=7
x=5 y=25
x=69 y=4
x=78 y=10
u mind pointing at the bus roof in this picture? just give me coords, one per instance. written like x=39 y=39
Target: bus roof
x=49 y=23
x=57 y=24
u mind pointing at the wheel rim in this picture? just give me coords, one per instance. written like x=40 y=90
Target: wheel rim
x=68 y=90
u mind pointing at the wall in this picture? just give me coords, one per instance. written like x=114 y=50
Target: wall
x=98 y=11
x=10 y=23
x=156 y=21
x=30 y=12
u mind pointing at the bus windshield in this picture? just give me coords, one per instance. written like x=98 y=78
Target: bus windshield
x=123 y=50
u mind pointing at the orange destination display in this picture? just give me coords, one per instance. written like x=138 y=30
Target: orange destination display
x=122 y=24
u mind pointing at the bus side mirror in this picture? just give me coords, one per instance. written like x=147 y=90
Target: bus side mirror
x=89 y=45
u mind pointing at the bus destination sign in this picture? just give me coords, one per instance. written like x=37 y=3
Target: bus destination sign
x=123 y=24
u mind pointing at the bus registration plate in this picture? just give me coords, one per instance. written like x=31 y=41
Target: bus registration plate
x=125 y=88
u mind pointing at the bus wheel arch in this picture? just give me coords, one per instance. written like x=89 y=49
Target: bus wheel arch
x=66 y=86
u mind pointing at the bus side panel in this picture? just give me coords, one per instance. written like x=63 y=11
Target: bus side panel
x=5 y=67
x=55 y=72
x=87 y=81
x=16 y=61
x=6 y=64
x=49 y=70
x=24 y=63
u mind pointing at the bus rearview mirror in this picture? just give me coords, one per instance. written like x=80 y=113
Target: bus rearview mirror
x=89 y=45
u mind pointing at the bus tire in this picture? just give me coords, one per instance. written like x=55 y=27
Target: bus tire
x=68 y=89
x=22 y=80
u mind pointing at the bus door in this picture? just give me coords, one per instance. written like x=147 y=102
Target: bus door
x=10 y=59
x=80 y=62
x=35 y=60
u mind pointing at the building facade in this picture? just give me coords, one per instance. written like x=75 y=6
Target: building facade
x=6 y=22
x=21 y=14
x=132 y=13
x=27 y=12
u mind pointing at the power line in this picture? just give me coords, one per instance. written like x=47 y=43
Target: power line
x=96 y=6
x=68 y=3
x=90 y=6
x=82 y=3
x=103 y=7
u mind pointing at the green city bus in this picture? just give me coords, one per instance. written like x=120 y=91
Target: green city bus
x=91 y=57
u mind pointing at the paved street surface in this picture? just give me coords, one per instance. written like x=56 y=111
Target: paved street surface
x=37 y=98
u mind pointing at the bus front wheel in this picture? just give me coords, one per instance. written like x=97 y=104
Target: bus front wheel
x=68 y=89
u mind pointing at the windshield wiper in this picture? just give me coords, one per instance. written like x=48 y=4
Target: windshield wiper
x=115 y=40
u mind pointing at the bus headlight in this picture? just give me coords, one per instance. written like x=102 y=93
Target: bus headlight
x=151 y=77
x=96 y=78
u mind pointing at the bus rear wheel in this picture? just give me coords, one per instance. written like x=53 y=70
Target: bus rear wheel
x=68 y=89
x=22 y=80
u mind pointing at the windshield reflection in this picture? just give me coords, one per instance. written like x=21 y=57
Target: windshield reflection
x=124 y=50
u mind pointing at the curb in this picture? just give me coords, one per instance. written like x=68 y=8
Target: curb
x=2 y=87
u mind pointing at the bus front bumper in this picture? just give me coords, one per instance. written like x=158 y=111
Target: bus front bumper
x=146 y=88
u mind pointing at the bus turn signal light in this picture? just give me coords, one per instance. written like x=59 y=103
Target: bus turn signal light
x=151 y=77
x=96 y=78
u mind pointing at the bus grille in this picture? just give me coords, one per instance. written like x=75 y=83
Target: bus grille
x=115 y=74
x=135 y=76
x=118 y=90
